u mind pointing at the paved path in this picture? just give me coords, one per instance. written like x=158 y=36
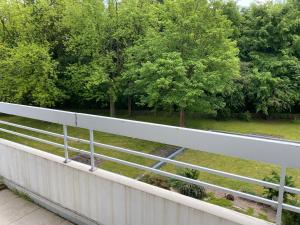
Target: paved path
x=15 y=210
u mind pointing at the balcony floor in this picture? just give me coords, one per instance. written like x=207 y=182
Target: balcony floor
x=14 y=210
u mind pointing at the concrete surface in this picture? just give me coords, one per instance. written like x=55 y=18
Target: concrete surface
x=105 y=197
x=15 y=210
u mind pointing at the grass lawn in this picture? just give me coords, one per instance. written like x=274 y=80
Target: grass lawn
x=282 y=128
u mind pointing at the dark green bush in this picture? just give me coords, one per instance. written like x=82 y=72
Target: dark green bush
x=191 y=190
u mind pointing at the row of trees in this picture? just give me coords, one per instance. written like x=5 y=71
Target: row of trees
x=177 y=55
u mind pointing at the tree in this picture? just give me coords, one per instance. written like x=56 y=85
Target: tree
x=268 y=44
x=126 y=23
x=84 y=77
x=268 y=93
x=28 y=76
x=198 y=38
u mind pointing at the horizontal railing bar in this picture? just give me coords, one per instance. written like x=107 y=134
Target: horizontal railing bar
x=291 y=208
x=32 y=138
x=158 y=158
x=163 y=173
x=251 y=148
x=32 y=129
x=292 y=190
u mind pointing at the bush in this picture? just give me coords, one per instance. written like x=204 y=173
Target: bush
x=291 y=218
x=191 y=190
x=271 y=193
x=246 y=116
x=156 y=180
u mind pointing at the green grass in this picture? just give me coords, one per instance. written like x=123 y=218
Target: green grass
x=286 y=129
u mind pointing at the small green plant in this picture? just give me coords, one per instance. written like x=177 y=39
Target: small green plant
x=156 y=180
x=271 y=193
x=191 y=190
x=263 y=216
x=22 y=195
x=250 y=211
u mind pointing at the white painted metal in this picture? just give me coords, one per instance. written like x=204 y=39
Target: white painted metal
x=291 y=208
x=280 y=195
x=32 y=129
x=92 y=151
x=66 y=143
x=49 y=115
x=32 y=138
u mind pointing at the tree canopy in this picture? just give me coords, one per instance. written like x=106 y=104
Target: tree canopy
x=178 y=55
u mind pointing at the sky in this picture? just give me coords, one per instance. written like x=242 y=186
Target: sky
x=246 y=3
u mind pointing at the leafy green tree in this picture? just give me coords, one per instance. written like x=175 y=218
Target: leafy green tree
x=28 y=76
x=197 y=38
x=126 y=23
x=268 y=93
x=268 y=43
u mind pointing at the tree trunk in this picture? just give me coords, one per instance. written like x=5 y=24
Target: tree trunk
x=129 y=106
x=112 y=107
x=182 y=118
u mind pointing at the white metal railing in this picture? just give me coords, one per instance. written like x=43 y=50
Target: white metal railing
x=283 y=153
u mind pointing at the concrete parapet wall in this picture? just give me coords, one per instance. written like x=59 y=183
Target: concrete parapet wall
x=104 y=197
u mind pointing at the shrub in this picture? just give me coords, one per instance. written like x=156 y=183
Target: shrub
x=191 y=190
x=245 y=116
x=271 y=193
x=156 y=180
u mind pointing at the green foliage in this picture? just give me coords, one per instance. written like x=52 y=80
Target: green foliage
x=269 y=94
x=185 y=55
x=271 y=193
x=191 y=190
x=28 y=75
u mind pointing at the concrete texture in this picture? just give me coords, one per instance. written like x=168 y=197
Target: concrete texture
x=15 y=210
x=104 y=197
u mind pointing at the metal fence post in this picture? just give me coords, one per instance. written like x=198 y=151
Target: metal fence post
x=92 y=151
x=280 y=195
x=66 y=143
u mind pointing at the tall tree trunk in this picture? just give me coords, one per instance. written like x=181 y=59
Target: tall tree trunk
x=182 y=118
x=112 y=106
x=129 y=102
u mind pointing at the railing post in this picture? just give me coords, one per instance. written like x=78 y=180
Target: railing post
x=92 y=151
x=66 y=143
x=280 y=195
